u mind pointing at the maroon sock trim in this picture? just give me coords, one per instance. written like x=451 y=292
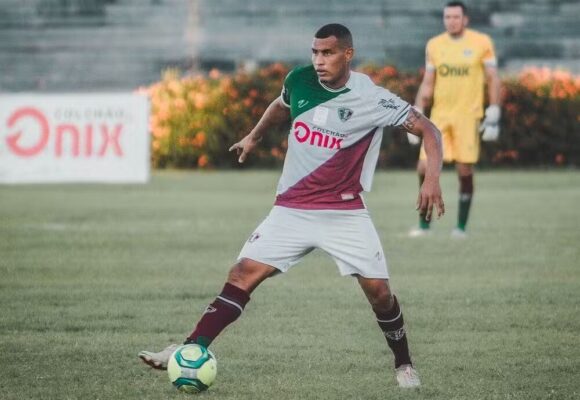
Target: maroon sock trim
x=393 y=327
x=225 y=309
x=234 y=293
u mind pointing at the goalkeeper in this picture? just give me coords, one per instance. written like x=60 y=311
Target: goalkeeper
x=458 y=64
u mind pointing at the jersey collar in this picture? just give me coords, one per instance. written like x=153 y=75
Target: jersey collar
x=339 y=89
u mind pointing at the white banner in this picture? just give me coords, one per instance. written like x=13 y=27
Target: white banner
x=74 y=138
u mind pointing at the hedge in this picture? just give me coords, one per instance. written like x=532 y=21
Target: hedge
x=195 y=119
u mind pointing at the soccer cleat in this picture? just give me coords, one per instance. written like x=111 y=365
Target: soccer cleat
x=419 y=232
x=458 y=233
x=407 y=376
x=158 y=360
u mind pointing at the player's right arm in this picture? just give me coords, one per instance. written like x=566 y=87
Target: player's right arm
x=276 y=113
x=425 y=93
x=430 y=194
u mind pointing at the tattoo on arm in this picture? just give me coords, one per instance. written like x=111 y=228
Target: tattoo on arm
x=411 y=120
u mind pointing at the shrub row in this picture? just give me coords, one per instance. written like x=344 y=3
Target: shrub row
x=195 y=119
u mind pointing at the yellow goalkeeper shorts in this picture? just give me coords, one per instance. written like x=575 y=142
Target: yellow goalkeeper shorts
x=460 y=136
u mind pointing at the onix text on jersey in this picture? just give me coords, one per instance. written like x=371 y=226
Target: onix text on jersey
x=302 y=132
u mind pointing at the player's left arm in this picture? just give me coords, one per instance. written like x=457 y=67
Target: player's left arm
x=430 y=194
x=490 y=124
x=493 y=84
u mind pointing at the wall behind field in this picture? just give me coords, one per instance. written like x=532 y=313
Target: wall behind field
x=92 y=45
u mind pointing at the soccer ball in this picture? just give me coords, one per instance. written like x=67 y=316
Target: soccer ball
x=192 y=368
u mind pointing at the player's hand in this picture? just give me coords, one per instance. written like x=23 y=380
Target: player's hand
x=490 y=133
x=490 y=124
x=245 y=146
x=430 y=196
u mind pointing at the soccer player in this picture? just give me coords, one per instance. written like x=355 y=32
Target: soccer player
x=337 y=118
x=458 y=63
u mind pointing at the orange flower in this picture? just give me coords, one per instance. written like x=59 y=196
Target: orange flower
x=153 y=122
x=161 y=132
x=180 y=104
x=215 y=73
x=233 y=93
x=200 y=139
x=225 y=83
x=203 y=161
x=175 y=87
x=199 y=100
x=511 y=108
x=256 y=111
x=276 y=153
x=164 y=112
x=389 y=71
x=183 y=142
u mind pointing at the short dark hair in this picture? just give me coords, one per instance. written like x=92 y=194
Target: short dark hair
x=339 y=31
x=457 y=4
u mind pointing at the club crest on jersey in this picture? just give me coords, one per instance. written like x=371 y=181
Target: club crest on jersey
x=344 y=114
x=467 y=53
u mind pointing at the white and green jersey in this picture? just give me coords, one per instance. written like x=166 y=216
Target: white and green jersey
x=334 y=141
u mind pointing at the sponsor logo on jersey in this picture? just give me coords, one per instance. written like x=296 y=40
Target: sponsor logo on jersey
x=344 y=114
x=389 y=104
x=317 y=137
x=453 y=70
x=302 y=103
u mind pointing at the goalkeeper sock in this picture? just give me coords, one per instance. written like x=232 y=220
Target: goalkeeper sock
x=392 y=325
x=224 y=310
x=465 y=196
x=423 y=223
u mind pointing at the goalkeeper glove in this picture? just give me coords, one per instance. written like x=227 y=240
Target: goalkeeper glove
x=490 y=124
x=414 y=139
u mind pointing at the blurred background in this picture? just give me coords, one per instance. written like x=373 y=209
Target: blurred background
x=80 y=45
x=209 y=68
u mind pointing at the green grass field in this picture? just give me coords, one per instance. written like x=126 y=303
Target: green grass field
x=92 y=274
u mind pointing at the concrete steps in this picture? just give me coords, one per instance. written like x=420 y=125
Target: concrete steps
x=79 y=45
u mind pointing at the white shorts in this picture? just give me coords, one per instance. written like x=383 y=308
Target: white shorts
x=349 y=237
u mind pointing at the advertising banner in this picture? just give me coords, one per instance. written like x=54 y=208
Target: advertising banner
x=74 y=138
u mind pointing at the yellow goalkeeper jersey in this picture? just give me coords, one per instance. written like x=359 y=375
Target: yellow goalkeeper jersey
x=459 y=66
